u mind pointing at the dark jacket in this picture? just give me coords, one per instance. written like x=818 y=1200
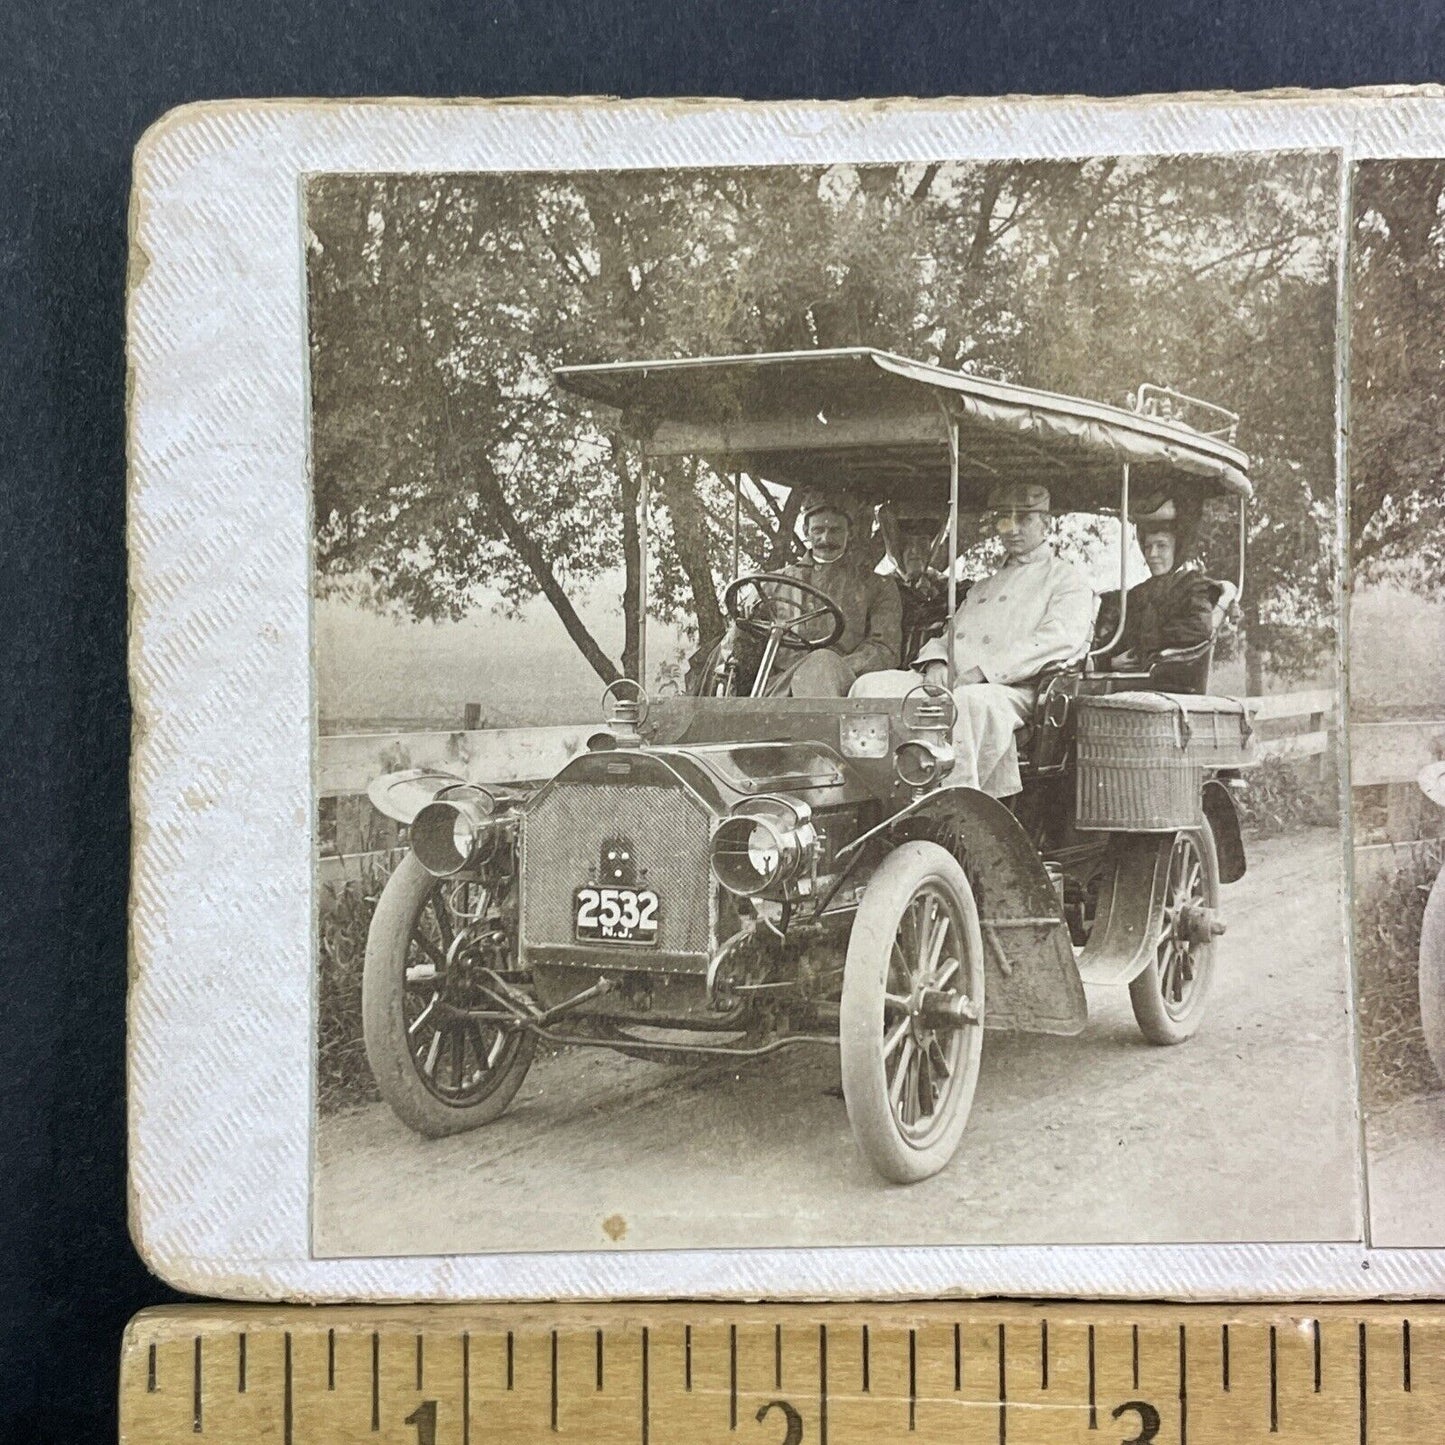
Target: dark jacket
x=1175 y=610
x=871 y=605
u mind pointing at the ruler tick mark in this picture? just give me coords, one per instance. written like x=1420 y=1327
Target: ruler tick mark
x=1223 y=1357
x=823 y=1384
x=330 y=1359
x=1002 y=1387
x=1093 y=1386
x=865 y=1359
x=732 y=1377
x=1318 y=1356
x=687 y=1357
x=375 y=1381
x=241 y=1363
x=554 y=1381
x=196 y=1388
x=1364 y=1388
x=599 y=1359
x=466 y=1388
x=511 y=1358
x=1183 y=1388
x=1043 y=1354
x=912 y=1379
x=1273 y=1380
x=287 y=1407
x=958 y=1357
x=420 y=1363
x=1134 y=1352
x=777 y=1357
x=151 y=1371
x=646 y=1408
x=1405 y=1356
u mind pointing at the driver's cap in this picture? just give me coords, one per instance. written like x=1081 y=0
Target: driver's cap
x=1018 y=497
x=814 y=502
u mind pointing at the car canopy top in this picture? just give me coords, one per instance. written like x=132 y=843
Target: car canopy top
x=872 y=424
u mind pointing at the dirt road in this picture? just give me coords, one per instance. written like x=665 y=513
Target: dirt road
x=1407 y=1173
x=1246 y=1132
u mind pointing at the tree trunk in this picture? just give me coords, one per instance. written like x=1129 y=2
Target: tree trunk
x=782 y=550
x=629 y=481
x=689 y=534
x=1253 y=670
x=489 y=490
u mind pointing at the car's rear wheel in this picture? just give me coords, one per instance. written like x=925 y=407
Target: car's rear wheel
x=1432 y=973
x=911 y=1015
x=441 y=1069
x=1170 y=996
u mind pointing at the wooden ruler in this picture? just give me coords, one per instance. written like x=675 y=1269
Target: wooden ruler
x=991 y=1373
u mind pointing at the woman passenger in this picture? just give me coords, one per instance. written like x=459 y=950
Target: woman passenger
x=1172 y=608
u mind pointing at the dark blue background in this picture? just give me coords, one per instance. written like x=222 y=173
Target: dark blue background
x=78 y=84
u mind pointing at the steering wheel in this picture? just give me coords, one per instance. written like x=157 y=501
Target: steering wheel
x=781 y=631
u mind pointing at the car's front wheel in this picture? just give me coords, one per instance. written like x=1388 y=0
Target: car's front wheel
x=440 y=1068
x=911 y=1015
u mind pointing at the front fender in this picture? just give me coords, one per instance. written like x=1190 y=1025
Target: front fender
x=1123 y=939
x=401 y=796
x=1033 y=983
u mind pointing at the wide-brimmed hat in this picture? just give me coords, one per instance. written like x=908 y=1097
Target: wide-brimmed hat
x=1157 y=516
x=1018 y=497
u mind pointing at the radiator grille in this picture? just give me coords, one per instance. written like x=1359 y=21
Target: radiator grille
x=562 y=841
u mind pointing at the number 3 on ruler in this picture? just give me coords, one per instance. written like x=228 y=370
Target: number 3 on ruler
x=1149 y=1423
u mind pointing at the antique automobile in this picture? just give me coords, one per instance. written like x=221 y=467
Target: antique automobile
x=719 y=875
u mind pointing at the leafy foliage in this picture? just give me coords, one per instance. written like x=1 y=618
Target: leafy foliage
x=448 y=469
x=1397 y=372
x=1286 y=794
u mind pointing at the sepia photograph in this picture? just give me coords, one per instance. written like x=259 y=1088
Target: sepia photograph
x=1397 y=686
x=825 y=681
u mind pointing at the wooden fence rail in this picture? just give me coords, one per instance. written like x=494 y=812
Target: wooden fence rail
x=1294 y=725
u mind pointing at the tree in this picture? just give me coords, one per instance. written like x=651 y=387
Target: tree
x=1397 y=372
x=447 y=465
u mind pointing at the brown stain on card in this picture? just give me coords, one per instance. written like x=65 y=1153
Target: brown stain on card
x=614 y=1227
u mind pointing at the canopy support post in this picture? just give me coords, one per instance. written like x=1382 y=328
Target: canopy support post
x=644 y=476
x=1114 y=641
x=1243 y=533
x=737 y=519
x=952 y=540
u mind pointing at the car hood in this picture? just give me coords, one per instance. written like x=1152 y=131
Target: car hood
x=723 y=774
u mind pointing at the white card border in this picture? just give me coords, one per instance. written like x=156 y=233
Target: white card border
x=220 y=1009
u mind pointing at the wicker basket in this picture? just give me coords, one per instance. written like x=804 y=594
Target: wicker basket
x=1142 y=757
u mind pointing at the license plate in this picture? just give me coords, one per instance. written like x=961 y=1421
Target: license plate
x=616 y=915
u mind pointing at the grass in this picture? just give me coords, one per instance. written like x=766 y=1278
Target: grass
x=1388 y=912
x=343 y=1076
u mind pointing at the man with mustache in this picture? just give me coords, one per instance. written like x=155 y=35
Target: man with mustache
x=871 y=606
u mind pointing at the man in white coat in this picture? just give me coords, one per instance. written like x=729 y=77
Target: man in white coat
x=1035 y=610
